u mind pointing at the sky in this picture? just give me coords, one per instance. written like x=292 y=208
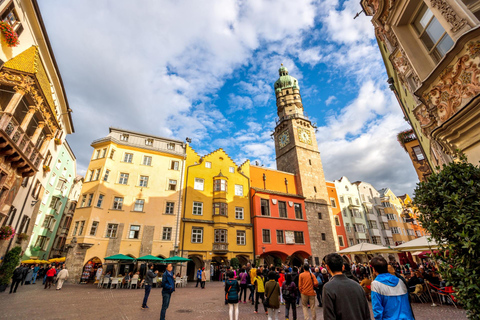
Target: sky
x=205 y=70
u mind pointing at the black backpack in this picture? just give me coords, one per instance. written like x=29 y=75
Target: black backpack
x=286 y=293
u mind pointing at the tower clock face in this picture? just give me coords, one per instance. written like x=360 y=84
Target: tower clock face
x=304 y=136
x=283 y=139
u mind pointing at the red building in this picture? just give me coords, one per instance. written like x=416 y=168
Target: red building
x=278 y=217
x=337 y=220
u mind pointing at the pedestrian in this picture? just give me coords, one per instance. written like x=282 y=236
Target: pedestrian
x=343 y=298
x=348 y=273
x=389 y=294
x=168 y=283
x=319 y=287
x=281 y=280
x=29 y=277
x=306 y=284
x=243 y=285
x=231 y=296
x=289 y=293
x=99 y=273
x=25 y=269
x=259 y=288
x=148 y=284
x=253 y=274
x=36 y=269
x=49 y=277
x=16 y=278
x=45 y=273
x=199 y=277
x=272 y=295
x=61 y=277
x=295 y=279
x=204 y=278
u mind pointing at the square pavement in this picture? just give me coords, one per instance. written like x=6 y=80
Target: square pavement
x=89 y=302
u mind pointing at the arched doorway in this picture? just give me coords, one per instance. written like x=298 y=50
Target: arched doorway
x=219 y=264
x=90 y=269
x=193 y=265
x=297 y=259
x=243 y=260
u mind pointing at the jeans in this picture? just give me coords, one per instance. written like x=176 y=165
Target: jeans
x=243 y=290
x=147 y=293
x=14 y=283
x=165 y=303
x=252 y=295
x=259 y=295
x=306 y=300
x=319 y=297
x=199 y=280
x=48 y=282
x=232 y=306
x=298 y=297
x=202 y=284
x=272 y=312
x=34 y=277
x=288 y=304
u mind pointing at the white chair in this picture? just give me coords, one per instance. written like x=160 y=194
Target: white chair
x=133 y=282
x=155 y=281
x=114 y=283
x=100 y=283
x=178 y=281
x=106 y=282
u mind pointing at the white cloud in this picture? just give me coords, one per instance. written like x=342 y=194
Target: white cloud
x=330 y=100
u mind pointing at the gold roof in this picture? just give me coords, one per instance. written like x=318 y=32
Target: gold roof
x=29 y=62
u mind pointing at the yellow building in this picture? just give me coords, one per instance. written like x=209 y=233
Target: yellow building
x=393 y=207
x=216 y=225
x=130 y=202
x=411 y=215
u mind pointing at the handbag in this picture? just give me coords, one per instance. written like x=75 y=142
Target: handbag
x=266 y=302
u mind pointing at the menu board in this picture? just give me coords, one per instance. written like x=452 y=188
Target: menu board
x=289 y=237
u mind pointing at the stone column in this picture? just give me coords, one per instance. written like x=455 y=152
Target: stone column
x=28 y=117
x=37 y=132
x=45 y=143
x=17 y=97
x=75 y=259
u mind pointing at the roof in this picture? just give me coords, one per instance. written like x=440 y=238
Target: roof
x=285 y=80
x=143 y=134
x=271 y=169
x=29 y=61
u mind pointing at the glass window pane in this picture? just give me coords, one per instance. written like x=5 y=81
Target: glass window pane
x=445 y=44
x=422 y=20
x=435 y=30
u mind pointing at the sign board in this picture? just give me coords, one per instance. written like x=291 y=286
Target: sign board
x=289 y=237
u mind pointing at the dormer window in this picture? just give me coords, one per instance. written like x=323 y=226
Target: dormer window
x=124 y=137
x=432 y=34
x=149 y=142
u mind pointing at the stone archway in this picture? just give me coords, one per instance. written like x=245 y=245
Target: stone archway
x=193 y=265
x=90 y=269
x=243 y=260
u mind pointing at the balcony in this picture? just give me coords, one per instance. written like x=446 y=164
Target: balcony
x=388 y=233
x=371 y=217
x=384 y=218
x=17 y=147
x=375 y=232
x=292 y=116
x=220 y=247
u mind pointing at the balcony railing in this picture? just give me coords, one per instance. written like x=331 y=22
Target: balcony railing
x=292 y=116
x=18 y=148
x=220 y=247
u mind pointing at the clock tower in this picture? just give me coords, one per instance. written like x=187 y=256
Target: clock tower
x=297 y=152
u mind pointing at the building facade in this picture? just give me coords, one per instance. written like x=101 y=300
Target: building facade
x=59 y=249
x=130 y=201
x=278 y=214
x=336 y=218
x=410 y=212
x=377 y=222
x=408 y=140
x=216 y=222
x=34 y=119
x=432 y=53
x=402 y=231
x=353 y=212
x=297 y=152
x=61 y=178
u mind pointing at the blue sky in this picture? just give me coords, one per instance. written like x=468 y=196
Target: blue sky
x=205 y=70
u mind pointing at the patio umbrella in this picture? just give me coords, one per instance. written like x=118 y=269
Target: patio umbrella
x=57 y=259
x=176 y=259
x=419 y=244
x=35 y=261
x=150 y=258
x=120 y=257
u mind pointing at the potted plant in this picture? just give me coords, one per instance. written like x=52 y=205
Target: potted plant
x=9 y=35
x=12 y=258
x=46 y=168
x=6 y=232
x=22 y=236
x=57 y=141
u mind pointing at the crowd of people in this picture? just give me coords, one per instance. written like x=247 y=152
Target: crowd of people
x=28 y=274
x=339 y=288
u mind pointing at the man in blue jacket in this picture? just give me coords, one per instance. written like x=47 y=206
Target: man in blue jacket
x=389 y=294
x=199 y=277
x=168 y=283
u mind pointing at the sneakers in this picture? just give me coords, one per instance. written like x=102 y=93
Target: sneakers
x=255 y=311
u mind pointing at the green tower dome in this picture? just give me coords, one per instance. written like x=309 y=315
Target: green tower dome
x=285 y=80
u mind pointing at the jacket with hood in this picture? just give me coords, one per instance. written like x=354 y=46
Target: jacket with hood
x=390 y=298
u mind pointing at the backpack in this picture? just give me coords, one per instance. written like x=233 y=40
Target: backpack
x=287 y=295
x=320 y=280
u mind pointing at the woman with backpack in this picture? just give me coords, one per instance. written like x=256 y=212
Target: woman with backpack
x=289 y=293
x=231 y=294
x=243 y=277
x=272 y=295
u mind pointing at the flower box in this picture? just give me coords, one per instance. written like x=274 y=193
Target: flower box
x=46 y=168
x=9 y=35
x=58 y=141
x=6 y=232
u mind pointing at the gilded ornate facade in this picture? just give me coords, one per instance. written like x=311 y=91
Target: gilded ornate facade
x=431 y=50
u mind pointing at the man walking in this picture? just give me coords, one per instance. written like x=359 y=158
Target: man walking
x=16 y=278
x=35 y=273
x=61 y=277
x=389 y=294
x=342 y=298
x=168 y=283
x=307 y=284
x=199 y=277
x=148 y=284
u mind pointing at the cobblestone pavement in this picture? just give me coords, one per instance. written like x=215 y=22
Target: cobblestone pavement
x=88 y=302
